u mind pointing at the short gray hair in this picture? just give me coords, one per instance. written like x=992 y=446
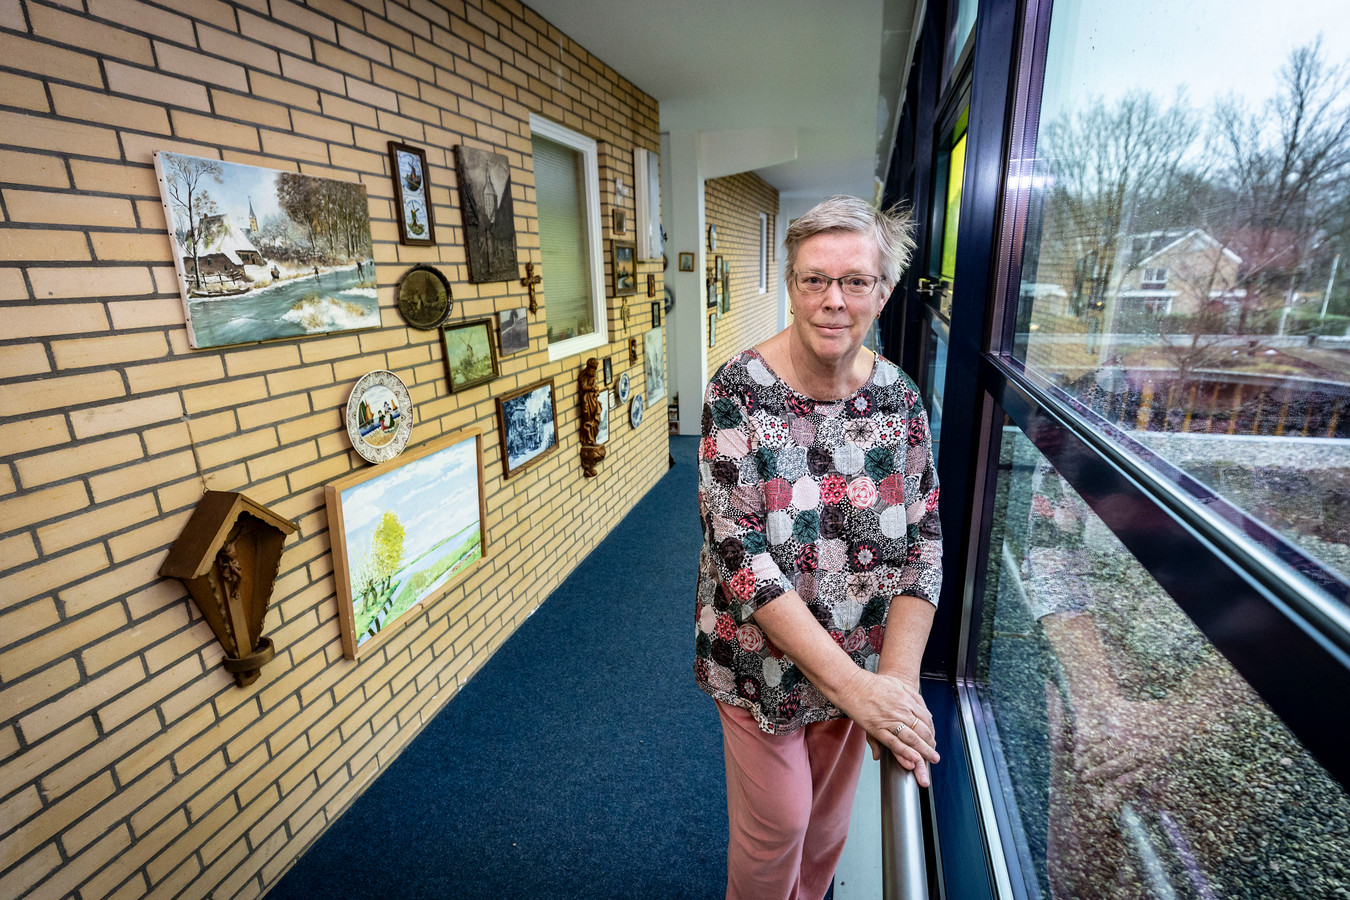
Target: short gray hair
x=893 y=231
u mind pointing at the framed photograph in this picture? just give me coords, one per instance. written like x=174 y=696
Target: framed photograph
x=625 y=267
x=726 y=293
x=412 y=193
x=651 y=285
x=528 y=421
x=654 y=364
x=711 y=281
x=717 y=267
x=470 y=358
x=712 y=329
x=656 y=314
x=241 y=243
x=620 y=221
x=403 y=533
x=686 y=262
x=379 y=416
x=513 y=328
x=489 y=214
x=607 y=367
x=424 y=298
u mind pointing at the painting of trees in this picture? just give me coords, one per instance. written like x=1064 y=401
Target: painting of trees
x=333 y=214
x=186 y=182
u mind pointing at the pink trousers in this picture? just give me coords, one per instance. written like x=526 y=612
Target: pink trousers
x=788 y=803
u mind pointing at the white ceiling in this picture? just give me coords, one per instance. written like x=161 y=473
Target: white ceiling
x=824 y=75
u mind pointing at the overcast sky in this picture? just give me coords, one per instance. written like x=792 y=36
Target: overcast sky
x=1105 y=47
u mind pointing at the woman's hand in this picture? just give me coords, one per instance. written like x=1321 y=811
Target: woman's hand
x=893 y=713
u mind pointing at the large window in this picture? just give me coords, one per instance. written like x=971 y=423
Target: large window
x=567 y=190
x=1189 y=206
x=1133 y=760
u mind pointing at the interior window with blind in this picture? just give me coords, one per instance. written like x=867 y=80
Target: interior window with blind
x=567 y=190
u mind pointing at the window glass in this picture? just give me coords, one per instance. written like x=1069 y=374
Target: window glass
x=935 y=377
x=1181 y=278
x=1133 y=760
x=567 y=195
x=961 y=14
x=951 y=167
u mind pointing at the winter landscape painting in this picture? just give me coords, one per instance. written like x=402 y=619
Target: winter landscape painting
x=402 y=532
x=263 y=254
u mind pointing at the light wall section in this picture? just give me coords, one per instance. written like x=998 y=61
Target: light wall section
x=130 y=763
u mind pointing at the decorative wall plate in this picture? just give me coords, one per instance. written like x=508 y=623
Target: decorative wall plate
x=635 y=411
x=623 y=388
x=379 y=416
x=424 y=297
x=712 y=237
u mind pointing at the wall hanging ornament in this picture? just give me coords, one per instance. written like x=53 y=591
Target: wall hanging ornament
x=592 y=449
x=379 y=416
x=489 y=214
x=227 y=555
x=424 y=298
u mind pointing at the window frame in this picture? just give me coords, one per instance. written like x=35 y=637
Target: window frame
x=589 y=150
x=763 y=253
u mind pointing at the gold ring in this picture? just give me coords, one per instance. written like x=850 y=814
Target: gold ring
x=915 y=722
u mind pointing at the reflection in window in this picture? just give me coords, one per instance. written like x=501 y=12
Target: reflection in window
x=1134 y=761
x=1185 y=227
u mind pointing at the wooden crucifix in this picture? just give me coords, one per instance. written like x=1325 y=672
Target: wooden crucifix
x=531 y=280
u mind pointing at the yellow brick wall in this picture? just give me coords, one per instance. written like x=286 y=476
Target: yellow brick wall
x=733 y=204
x=130 y=763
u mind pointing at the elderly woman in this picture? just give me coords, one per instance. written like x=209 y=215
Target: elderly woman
x=820 y=567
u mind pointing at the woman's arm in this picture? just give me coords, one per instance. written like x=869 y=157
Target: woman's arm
x=880 y=702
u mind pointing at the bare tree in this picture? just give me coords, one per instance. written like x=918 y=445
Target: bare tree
x=187 y=178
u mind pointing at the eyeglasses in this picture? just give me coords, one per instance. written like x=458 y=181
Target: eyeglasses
x=816 y=283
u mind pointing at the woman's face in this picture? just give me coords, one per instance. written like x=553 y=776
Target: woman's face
x=831 y=325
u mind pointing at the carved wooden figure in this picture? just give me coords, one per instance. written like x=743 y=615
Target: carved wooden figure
x=591 y=452
x=228 y=556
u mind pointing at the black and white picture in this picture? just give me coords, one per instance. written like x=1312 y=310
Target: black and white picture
x=606 y=401
x=515 y=330
x=488 y=213
x=528 y=424
x=654 y=358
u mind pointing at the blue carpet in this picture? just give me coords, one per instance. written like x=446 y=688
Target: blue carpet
x=580 y=762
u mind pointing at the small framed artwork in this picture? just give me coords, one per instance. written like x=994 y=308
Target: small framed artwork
x=424 y=298
x=620 y=221
x=488 y=212
x=712 y=329
x=625 y=268
x=686 y=262
x=726 y=293
x=656 y=313
x=379 y=416
x=470 y=359
x=528 y=422
x=412 y=190
x=403 y=533
x=513 y=330
x=608 y=368
x=717 y=267
x=654 y=364
x=602 y=433
x=711 y=281
x=651 y=285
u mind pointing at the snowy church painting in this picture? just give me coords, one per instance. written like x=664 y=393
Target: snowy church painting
x=263 y=254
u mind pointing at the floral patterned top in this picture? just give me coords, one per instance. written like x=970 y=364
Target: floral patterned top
x=836 y=500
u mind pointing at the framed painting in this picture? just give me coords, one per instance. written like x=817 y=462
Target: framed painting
x=424 y=298
x=602 y=433
x=403 y=533
x=656 y=314
x=726 y=293
x=249 y=269
x=528 y=421
x=654 y=363
x=489 y=214
x=624 y=254
x=712 y=329
x=412 y=194
x=686 y=262
x=711 y=281
x=470 y=359
x=513 y=330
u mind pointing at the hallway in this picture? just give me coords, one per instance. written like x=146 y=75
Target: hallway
x=582 y=761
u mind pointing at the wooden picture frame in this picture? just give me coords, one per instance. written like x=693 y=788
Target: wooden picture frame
x=513 y=330
x=686 y=262
x=656 y=313
x=527 y=419
x=396 y=550
x=487 y=210
x=470 y=354
x=712 y=329
x=624 y=255
x=412 y=194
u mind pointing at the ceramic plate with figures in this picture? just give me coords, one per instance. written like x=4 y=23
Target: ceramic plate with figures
x=623 y=388
x=379 y=416
x=635 y=411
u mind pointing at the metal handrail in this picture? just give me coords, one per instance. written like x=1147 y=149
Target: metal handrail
x=904 y=866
